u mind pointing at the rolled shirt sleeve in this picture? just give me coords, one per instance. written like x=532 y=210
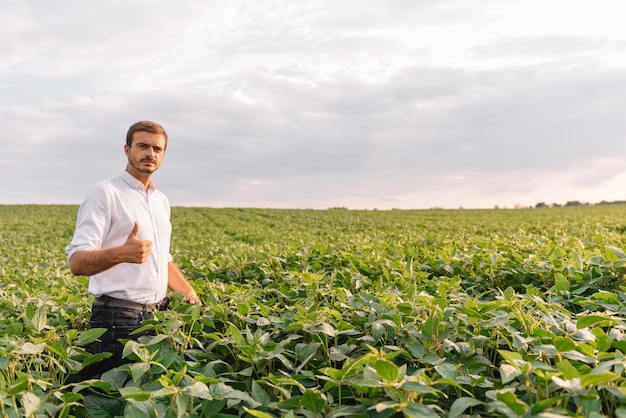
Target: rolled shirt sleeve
x=91 y=222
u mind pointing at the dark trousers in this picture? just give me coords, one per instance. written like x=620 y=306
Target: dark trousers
x=120 y=322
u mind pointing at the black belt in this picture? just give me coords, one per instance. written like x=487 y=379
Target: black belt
x=107 y=301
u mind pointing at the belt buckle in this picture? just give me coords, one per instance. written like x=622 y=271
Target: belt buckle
x=163 y=304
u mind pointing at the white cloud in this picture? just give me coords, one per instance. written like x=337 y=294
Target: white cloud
x=318 y=104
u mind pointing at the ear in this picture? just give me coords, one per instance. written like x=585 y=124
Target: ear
x=126 y=149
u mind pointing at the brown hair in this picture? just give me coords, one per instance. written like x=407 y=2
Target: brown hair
x=145 y=126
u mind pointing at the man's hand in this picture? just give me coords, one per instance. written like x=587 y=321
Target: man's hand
x=136 y=250
x=178 y=283
x=192 y=297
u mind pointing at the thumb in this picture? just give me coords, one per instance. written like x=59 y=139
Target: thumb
x=135 y=231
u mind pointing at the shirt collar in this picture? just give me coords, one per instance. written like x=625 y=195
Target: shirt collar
x=134 y=183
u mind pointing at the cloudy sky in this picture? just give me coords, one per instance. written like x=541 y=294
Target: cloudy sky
x=320 y=103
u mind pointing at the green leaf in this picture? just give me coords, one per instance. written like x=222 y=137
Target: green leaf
x=508 y=294
x=510 y=400
x=432 y=323
x=313 y=401
x=563 y=344
x=155 y=339
x=89 y=336
x=181 y=403
x=98 y=406
x=164 y=392
x=166 y=360
x=40 y=319
x=198 y=390
x=240 y=395
x=511 y=356
x=617 y=251
x=418 y=387
x=607 y=297
x=416 y=349
x=345 y=411
x=569 y=384
x=378 y=330
x=139 y=369
x=447 y=371
x=94 y=358
x=130 y=347
x=135 y=393
x=461 y=404
x=416 y=410
x=70 y=397
x=30 y=402
x=598 y=379
x=577 y=356
x=213 y=408
x=508 y=372
x=295 y=402
x=561 y=283
x=257 y=414
x=620 y=345
x=306 y=351
x=139 y=409
x=331 y=372
x=325 y=328
x=243 y=308
x=590 y=320
x=259 y=394
x=387 y=370
x=544 y=404
x=220 y=390
x=18 y=387
x=568 y=370
x=236 y=334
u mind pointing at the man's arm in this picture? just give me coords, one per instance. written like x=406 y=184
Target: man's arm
x=178 y=283
x=90 y=262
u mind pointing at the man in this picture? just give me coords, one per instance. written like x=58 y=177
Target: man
x=122 y=242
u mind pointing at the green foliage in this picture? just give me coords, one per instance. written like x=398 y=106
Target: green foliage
x=515 y=313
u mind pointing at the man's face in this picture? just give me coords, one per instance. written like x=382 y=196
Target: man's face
x=146 y=152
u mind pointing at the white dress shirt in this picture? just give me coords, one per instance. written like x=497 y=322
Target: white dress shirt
x=105 y=219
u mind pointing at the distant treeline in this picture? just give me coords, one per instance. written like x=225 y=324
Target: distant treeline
x=578 y=203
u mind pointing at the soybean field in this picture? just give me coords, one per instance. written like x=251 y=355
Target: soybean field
x=333 y=313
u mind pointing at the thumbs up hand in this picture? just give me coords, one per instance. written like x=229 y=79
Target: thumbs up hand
x=136 y=250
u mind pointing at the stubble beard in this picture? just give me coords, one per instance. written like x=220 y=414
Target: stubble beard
x=139 y=168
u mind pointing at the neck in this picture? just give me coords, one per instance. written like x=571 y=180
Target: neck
x=144 y=178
